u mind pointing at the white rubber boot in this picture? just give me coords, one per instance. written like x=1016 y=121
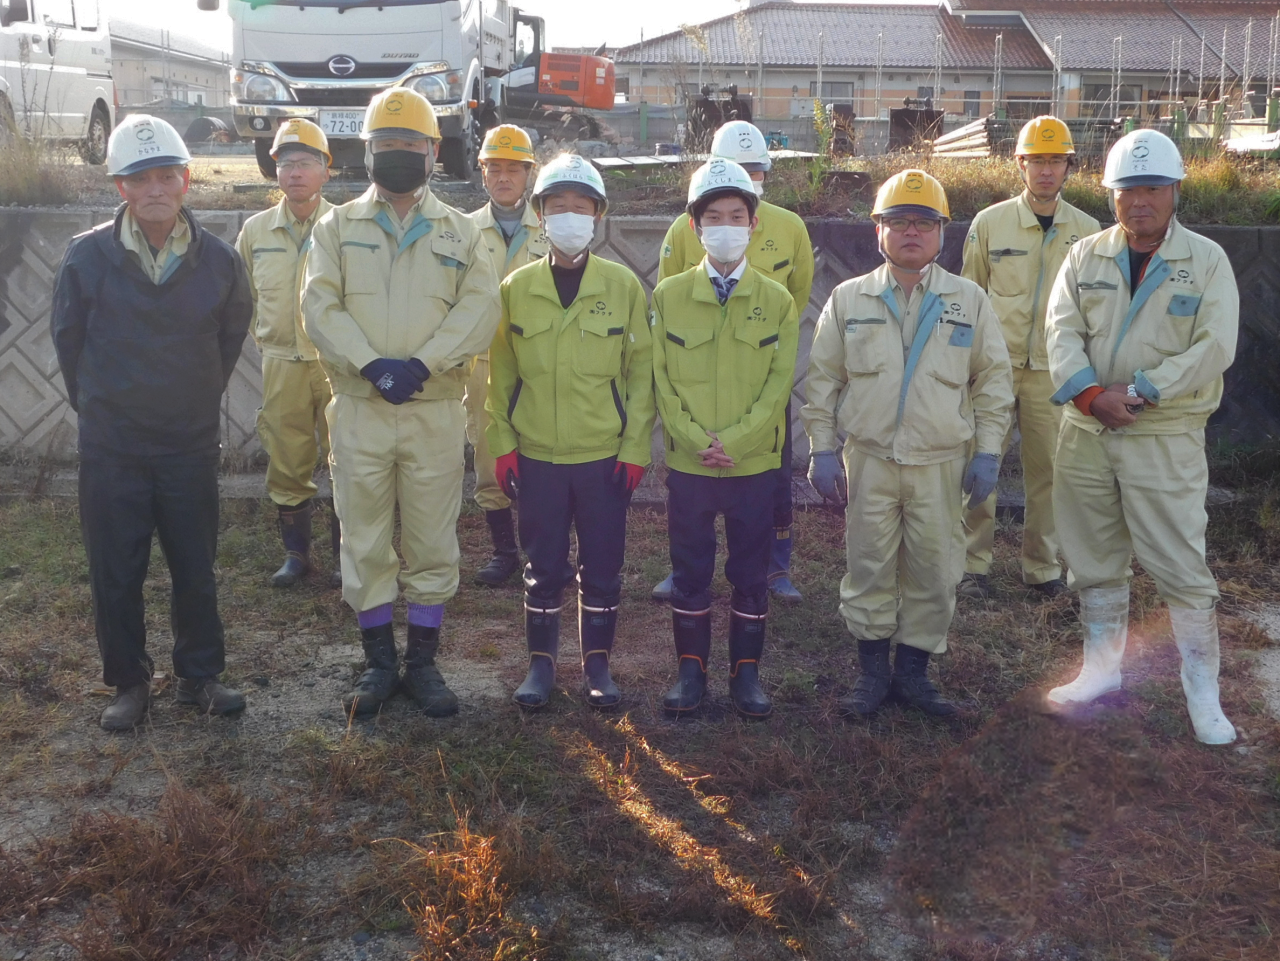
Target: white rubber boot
x=1196 y=633
x=1104 y=620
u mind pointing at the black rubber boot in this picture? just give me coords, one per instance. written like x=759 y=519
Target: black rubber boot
x=295 y=531
x=542 y=635
x=378 y=681
x=911 y=685
x=506 y=555
x=746 y=645
x=692 y=631
x=872 y=685
x=597 y=624
x=335 y=545
x=422 y=680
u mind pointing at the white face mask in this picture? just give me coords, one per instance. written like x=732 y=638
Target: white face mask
x=726 y=244
x=570 y=233
x=758 y=187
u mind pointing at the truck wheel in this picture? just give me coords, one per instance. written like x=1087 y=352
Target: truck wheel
x=266 y=163
x=93 y=149
x=455 y=157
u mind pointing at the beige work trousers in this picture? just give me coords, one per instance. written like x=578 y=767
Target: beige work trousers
x=904 y=544
x=1038 y=420
x=411 y=457
x=488 y=494
x=1118 y=494
x=292 y=426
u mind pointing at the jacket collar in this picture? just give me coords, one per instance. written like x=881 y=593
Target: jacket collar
x=544 y=285
x=940 y=281
x=1027 y=217
x=484 y=217
x=704 y=292
x=117 y=253
x=282 y=218
x=369 y=204
x=1175 y=245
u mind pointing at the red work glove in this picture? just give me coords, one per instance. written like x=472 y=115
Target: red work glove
x=507 y=474
x=627 y=476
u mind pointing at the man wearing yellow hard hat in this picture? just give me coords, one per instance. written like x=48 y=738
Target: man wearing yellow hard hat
x=909 y=363
x=399 y=297
x=295 y=390
x=1013 y=252
x=513 y=238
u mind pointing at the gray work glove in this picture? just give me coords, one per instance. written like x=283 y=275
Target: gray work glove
x=980 y=478
x=826 y=476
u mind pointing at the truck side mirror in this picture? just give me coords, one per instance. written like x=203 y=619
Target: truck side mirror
x=207 y=4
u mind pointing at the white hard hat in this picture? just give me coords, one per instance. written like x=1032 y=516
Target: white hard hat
x=1144 y=158
x=570 y=172
x=743 y=143
x=718 y=176
x=142 y=142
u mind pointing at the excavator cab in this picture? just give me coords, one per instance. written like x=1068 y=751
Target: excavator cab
x=542 y=79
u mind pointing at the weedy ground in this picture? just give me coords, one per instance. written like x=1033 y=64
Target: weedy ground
x=291 y=833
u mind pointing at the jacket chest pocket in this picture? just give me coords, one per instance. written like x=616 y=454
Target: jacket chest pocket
x=1175 y=325
x=1010 y=275
x=1097 y=299
x=599 y=346
x=690 y=353
x=361 y=271
x=274 y=268
x=865 y=345
x=952 y=344
x=452 y=257
x=534 y=344
x=756 y=343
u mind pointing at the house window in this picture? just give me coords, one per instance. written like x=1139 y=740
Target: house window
x=831 y=90
x=972 y=103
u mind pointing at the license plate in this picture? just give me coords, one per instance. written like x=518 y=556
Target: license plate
x=342 y=123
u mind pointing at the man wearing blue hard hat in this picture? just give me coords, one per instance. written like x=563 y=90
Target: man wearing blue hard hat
x=149 y=313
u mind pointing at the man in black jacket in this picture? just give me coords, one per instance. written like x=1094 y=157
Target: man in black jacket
x=149 y=314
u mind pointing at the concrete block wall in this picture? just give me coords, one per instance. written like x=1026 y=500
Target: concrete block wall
x=35 y=417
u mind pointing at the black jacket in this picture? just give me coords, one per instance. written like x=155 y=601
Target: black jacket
x=146 y=365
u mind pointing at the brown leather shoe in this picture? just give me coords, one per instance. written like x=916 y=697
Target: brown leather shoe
x=210 y=695
x=128 y=708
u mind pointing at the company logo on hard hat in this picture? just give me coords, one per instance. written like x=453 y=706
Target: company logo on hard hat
x=744 y=140
x=341 y=66
x=1141 y=151
x=144 y=132
x=504 y=140
x=393 y=105
x=1047 y=133
x=914 y=182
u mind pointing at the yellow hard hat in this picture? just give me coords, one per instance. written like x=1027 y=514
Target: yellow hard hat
x=301 y=133
x=507 y=142
x=911 y=191
x=1045 y=135
x=400 y=113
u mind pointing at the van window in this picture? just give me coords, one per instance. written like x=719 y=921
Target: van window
x=57 y=12
x=87 y=14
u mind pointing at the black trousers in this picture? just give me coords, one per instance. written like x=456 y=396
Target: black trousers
x=123 y=501
x=693 y=502
x=782 y=504
x=555 y=496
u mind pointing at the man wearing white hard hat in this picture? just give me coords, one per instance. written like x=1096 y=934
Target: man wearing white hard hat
x=570 y=420
x=779 y=249
x=399 y=295
x=909 y=363
x=295 y=390
x=724 y=358
x=1142 y=324
x=149 y=313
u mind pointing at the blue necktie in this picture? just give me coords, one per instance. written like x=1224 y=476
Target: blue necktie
x=724 y=287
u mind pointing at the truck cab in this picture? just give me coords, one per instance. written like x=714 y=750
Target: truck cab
x=326 y=59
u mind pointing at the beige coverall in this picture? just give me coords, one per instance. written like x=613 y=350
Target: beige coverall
x=295 y=391
x=528 y=244
x=1140 y=489
x=378 y=287
x=913 y=378
x=1010 y=256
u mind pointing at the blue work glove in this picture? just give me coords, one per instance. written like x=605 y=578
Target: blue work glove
x=396 y=380
x=980 y=478
x=826 y=476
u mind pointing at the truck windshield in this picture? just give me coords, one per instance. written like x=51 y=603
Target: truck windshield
x=341 y=4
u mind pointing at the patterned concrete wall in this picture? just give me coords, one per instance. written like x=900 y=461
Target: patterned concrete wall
x=34 y=414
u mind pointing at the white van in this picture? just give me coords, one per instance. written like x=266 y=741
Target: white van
x=55 y=73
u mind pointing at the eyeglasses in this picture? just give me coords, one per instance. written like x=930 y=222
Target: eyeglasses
x=1056 y=163
x=305 y=166
x=900 y=225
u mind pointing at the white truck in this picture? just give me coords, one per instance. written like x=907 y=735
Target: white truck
x=325 y=60
x=55 y=73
